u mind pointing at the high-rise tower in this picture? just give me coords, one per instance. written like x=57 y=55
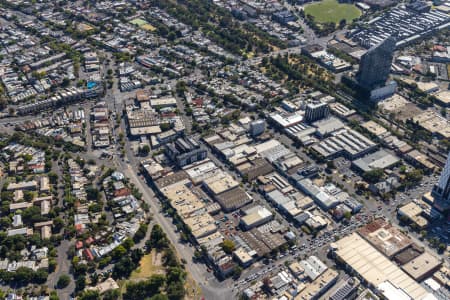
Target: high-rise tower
x=442 y=188
x=376 y=64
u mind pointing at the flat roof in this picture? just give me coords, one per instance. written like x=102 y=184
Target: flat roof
x=255 y=215
x=313 y=289
x=374 y=267
x=443 y=96
x=201 y=225
x=422 y=265
x=233 y=199
x=166 y=101
x=377 y=160
x=327 y=126
x=145 y=130
x=243 y=256
x=182 y=198
x=385 y=237
x=171 y=179
x=374 y=128
x=410 y=210
x=220 y=183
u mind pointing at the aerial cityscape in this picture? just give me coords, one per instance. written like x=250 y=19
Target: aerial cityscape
x=225 y=149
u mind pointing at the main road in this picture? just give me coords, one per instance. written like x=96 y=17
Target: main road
x=211 y=288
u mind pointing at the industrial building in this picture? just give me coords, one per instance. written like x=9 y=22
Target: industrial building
x=313 y=267
x=376 y=270
x=219 y=183
x=256 y=216
x=143 y=122
x=422 y=266
x=407 y=24
x=346 y=142
x=377 y=160
x=233 y=199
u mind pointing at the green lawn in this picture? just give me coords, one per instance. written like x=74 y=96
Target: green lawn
x=332 y=11
x=138 y=22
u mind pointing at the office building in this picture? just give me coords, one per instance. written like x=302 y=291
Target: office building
x=375 y=64
x=442 y=189
x=257 y=127
x=185 y=151
x=316 y=111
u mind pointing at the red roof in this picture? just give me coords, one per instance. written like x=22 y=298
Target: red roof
x=122 y=192
x=79 y=227
x=89 y=240
x=88 y=254
x=439 y=48
x=198 y=102
x=79 y=244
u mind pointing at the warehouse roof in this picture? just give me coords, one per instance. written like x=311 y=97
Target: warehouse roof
x=422 y=265
x=374 y=267
x=378 y=160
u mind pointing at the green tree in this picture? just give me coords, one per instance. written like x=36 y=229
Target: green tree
x=144 y=289
x=80 y=283
x=158 y=238
x=413 y=177
x=40 y=276
x=89 y=295
x=54 y=295
x=128 y=243
x=347 y=215
x=159 y=297
x=237 y=271
x=123 y=268
x=111 y=295
x=63 y=281
x=119 y=252
x=175 y=290
x=23 y=275
x=373 y=176
x=140 y=233
x=228 y=246
x=53 y=177
x=144 y=150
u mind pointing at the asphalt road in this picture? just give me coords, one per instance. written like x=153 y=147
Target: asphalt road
x=62 y=268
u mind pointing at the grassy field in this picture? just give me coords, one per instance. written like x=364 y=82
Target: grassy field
x=138 y=22
x=150 y=264
x=143 y=24
x=332 y=11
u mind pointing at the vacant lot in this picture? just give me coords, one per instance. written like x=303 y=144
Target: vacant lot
x=150 y=264
x=332 y=11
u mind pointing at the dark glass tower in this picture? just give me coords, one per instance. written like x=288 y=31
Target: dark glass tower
x=376 y=63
